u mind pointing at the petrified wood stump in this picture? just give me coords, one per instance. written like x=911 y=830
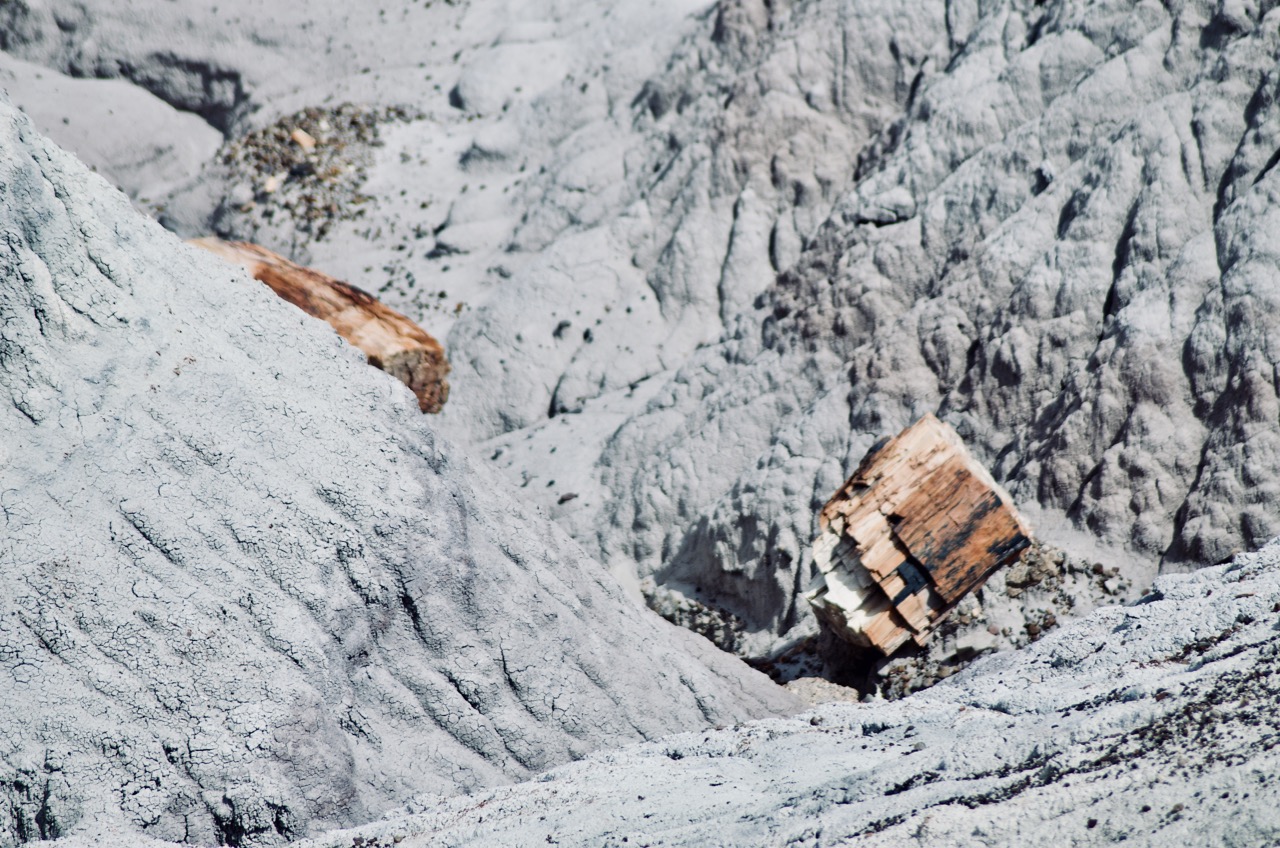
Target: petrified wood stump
x=391 y=341
x=918 y=526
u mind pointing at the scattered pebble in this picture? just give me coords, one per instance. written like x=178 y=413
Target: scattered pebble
x=308 y=167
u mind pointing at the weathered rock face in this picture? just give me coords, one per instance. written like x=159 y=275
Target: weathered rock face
x=1149 y=725
x=136 y=140
x=700 y=258
x=1069 y=280
x=247 y=592
x=669 y=403
x=696 y=280
x=982 y=164
x=1059 y=245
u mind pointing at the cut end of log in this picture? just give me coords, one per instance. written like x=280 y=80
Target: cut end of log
x=390 y=340
x=424 y=374
x=918 y=526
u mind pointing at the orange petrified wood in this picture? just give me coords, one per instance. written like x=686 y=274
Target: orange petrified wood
x=918 y=526
x=390 y=340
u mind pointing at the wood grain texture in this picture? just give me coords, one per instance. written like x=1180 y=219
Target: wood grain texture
x=390 y=340
x=917 y=526
x=958 y=528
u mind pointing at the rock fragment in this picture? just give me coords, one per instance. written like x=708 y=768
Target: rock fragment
x=391 y=341
x=303 y=139
x=917 y=527
x=306 y=170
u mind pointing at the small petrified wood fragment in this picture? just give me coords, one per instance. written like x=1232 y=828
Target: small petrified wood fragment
x=918 y=526
x=391 y=341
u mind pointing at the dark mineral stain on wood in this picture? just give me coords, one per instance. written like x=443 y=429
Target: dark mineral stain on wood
x=953 y=523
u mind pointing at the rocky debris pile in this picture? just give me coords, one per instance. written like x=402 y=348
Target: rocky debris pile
x=307 y=167
x=1015 y=607
x=720 y=627
x=1149 y=725
x=247 y=598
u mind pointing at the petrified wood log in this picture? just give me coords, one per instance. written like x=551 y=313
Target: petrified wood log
x=391 y=341
x=918 y=526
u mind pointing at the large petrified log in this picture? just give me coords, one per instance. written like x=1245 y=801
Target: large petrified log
x=919 y=525
x=391 y=341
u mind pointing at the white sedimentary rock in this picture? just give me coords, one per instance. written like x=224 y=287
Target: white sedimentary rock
x=1058 y=242
x=697 y=258
x=1150 y=724
x=247 y=592
x=701 y=256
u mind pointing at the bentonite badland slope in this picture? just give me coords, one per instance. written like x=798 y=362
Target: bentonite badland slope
x=1062 y=245
x=698 y=257
x=1149 y=725
x=247 y=593
x=695 y=257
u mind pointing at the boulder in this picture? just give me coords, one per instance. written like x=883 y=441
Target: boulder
x=917 y=527
x=390 y=340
